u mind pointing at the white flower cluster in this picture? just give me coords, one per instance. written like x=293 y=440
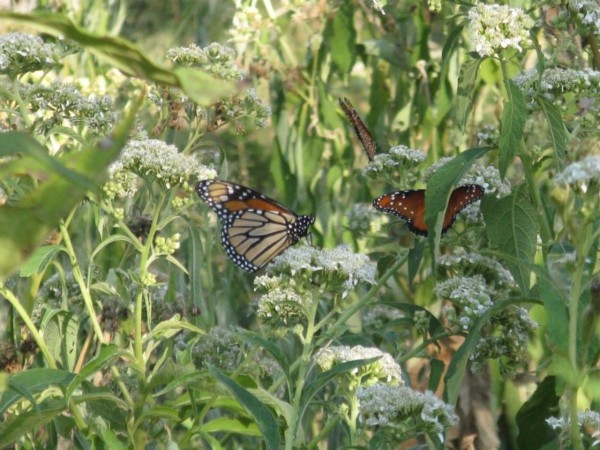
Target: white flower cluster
x=382 y=405
x=336 y=266
x=220 y=347
x=63 y=103
x=399 y=157
x=359 y=219
x=497 y=27
x=164 y=162
x=378 y=315
x=283 y=305
x=384 y=369
x=580 y=174
x=471 y=295
x=216 y=59
x=22 y=53
x=474 y=263
x=559 y=80
x=156 y=159
x=588 y=12
x=247 y=24
x=588 y=420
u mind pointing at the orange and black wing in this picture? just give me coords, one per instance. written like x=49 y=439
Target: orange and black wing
x=460 y=198
x=255 y=228
x=361 y=130
x=410 y=206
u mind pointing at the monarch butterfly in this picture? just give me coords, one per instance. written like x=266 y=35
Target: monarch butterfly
x=362 y=133
x=410 y=206
x=255 y=229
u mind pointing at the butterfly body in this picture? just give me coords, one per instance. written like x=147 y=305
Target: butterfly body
x=410 y=206
x=255 y=229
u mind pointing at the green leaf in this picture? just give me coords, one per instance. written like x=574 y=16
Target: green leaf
x=32 y=381
x=513 y=125
x=440 y=186
x=106 y=354
x=435 y=374
x=451 y=42
x=262 y=415
x=127 y=57
x=325 y=377
x=558 y=131
x=24 y=225
x=39 y=260
x=467 y=78
x=36 y=159
x=534 y=432
x=458 y=365
x=228 y=425
x=29 y=422
x=551 y=286
x=512 y=227
x=435 y=327
x=415 y=256
x=342 y=39
x=381 y=48
x=255 y=339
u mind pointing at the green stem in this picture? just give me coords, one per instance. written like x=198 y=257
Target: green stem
x=338 y=327
x=545 y=228
x=21 y=104
x=307 y=346
x=78 y=276
x=329 y=425
x=582 y=237
x=37 y=337
x=422 y=346
x=39 y=340
x=144 y=256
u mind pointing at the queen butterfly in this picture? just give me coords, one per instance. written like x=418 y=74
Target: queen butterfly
x=255 y=229
x=410 y=206
x=362 y=133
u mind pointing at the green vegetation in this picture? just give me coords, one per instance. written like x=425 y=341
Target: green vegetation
x=124 y=324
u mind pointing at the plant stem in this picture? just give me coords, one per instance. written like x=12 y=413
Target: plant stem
x=582 y=237
x=295 y=416
x=83 y=286
x=337 y=327
x=144 y=255
x=39 y=340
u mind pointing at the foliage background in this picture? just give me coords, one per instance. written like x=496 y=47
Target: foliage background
x=412 y=75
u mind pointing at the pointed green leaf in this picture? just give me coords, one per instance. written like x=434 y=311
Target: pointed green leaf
x=513 y=125
x=106 y=354
x=39 y=260
x=262 y=415
x=512 y=227
x=325 y=377
x=534 y=432
x=343 y=38
x=467 y=78
x=458 y=365
x=24 y=225
x=558 y=130
x=228 y=425
x=33 y=381
x=30 y=421
x=440 y=186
